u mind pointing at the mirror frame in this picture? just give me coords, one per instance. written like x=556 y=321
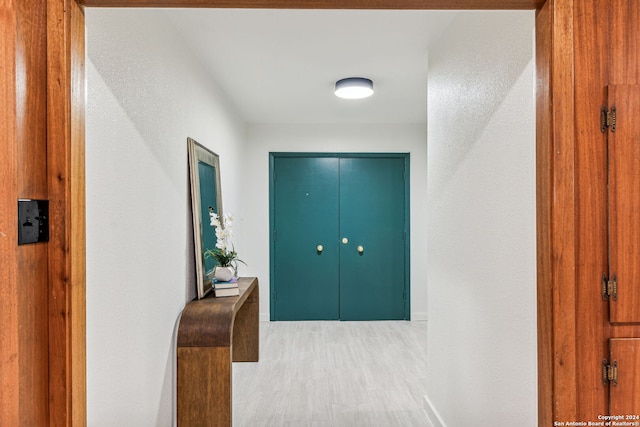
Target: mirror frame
x=199 y=154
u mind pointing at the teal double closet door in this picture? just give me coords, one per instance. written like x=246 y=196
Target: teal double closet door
x=339 y=237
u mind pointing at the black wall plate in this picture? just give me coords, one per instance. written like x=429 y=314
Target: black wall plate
x=33 y=221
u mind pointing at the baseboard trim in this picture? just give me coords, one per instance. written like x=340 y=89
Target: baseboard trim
x=432 y=414
x=415 y=317
x=420 y=316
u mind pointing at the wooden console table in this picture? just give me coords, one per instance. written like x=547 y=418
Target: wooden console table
x=212 y=333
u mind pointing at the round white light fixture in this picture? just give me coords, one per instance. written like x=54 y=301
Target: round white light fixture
x=354 y=88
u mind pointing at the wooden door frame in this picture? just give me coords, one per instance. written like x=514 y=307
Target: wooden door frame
x=556 y=189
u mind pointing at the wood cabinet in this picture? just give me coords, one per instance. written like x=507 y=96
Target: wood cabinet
x=621 y=285
x=213 y=332
x=603 y=247
x=624 y=394
x=624 y=204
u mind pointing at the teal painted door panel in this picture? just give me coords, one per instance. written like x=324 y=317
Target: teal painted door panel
x=321 y=201
x=306 y=215
x=372 y=192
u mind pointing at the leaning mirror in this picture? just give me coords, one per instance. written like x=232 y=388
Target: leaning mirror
x=204 y=171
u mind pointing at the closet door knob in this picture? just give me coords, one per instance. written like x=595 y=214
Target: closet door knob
x=345 y=240
x=319 y=248
x=360 y=249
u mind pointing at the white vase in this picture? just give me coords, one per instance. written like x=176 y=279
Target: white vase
x=224 y=274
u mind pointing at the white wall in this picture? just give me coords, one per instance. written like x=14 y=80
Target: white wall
x=146 y=95
x=481 y=222
x=263 y=139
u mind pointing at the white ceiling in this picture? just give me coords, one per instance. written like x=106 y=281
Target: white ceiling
x=280 y=66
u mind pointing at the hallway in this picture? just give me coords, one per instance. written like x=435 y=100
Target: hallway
x=472 y=217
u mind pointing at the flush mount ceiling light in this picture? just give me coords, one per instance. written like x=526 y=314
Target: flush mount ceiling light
x=354 y=88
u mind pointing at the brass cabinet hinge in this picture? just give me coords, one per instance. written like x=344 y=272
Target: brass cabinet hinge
x=608 y=119
x=609 y=372
x=609 y=287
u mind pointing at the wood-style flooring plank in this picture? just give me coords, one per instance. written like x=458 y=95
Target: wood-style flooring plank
x=334 y=374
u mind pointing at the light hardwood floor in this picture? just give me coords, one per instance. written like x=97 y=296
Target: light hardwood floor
x=334 y=374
